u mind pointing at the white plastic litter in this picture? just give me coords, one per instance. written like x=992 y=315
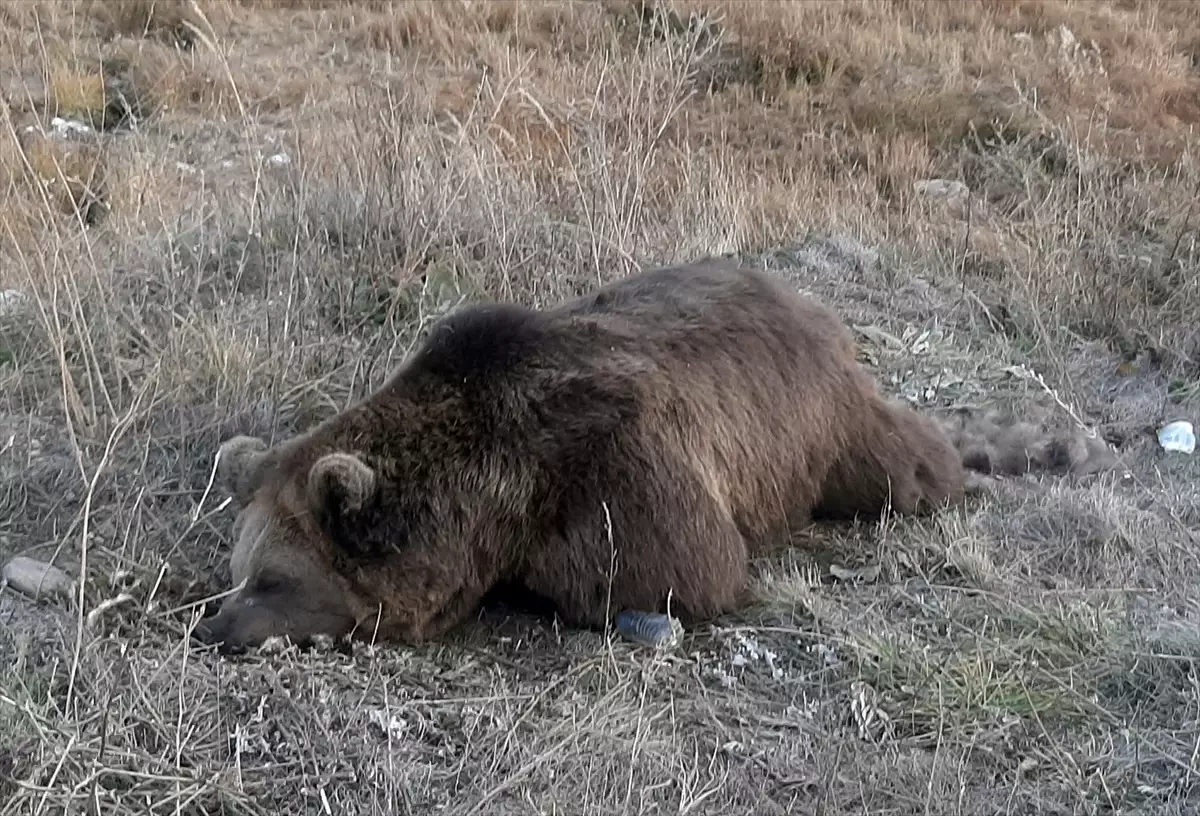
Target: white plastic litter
x=1177 y=436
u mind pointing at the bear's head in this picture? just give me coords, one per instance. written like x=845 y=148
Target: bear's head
x=293 y=509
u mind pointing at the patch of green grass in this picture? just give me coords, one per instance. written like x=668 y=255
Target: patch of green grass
x=988 y=660
x=25 y=694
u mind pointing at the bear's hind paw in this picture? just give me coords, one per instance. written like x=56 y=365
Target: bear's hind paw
x=649 y=628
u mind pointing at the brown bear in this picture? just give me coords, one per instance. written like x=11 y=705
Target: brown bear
x=622 y=451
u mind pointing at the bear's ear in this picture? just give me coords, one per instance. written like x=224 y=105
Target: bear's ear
x=340 y=484
x=238 y=461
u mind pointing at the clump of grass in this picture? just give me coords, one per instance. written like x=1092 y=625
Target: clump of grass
x=997 y=661
x=79 y=95
x=104 y=98
x=70 y=173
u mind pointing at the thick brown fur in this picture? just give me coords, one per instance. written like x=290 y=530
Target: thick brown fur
x=995 y=443
x=634 y=444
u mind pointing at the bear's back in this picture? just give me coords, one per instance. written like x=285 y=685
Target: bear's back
x=714 y=317
x=707 y=326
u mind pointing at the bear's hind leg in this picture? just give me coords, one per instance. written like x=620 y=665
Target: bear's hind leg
x=894 y=458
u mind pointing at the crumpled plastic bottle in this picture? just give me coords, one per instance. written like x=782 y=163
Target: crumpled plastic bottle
x=1177 y=436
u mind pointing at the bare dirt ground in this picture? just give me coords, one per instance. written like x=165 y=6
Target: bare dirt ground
x=273 y=199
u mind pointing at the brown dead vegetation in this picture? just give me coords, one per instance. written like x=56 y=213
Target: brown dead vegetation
x=70 y=173
x=293 y=189
x=170 y=21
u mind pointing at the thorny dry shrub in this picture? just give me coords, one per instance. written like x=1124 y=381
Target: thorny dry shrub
x=302 y=186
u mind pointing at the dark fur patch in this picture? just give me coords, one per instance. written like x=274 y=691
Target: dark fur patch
x=474 y=345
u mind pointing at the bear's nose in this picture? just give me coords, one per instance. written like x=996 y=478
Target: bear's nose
x=213 y=631
x=205 y=632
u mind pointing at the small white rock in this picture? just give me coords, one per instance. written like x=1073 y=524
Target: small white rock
x=947 y=190
x=865 y=574
x=280 y=159
x=37 y=578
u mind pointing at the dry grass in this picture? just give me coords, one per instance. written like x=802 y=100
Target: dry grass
x=292 y=189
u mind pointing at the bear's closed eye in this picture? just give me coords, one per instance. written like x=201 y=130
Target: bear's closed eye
x=266 y=584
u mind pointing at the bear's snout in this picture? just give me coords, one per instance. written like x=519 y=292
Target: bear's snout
x=215 y=631
x=239 y=624
x=247 y=621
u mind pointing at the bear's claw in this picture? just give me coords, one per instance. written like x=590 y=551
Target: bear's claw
x=649 y=628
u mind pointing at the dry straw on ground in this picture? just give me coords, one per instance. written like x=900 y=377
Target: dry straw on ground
x=291 y=191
